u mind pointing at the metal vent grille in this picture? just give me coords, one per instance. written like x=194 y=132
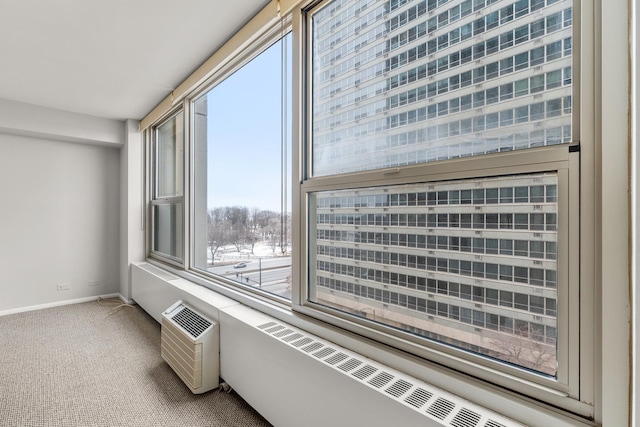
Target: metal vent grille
x=365 y=372
x=191 y=322
x=303 y=341
x=311 y=347
x=274 y=329
x=267 y=325
x=452 y=412
x=283 y=333
x=465 y=418
x=441 y=408
x=349 y=365
x=399 y=388
x=418 y=398
x=290 y=338
x=380 y=380
x=324 y=352
x=336 y=358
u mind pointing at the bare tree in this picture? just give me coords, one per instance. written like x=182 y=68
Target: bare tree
x=218 y=231
x=527 y=350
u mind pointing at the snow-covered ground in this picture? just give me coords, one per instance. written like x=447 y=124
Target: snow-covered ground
x=230 y=255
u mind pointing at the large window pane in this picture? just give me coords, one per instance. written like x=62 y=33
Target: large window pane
x=242 y=174
x=357 y=254
x=362 y=84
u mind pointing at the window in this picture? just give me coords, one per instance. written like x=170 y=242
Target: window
x=510 y=208
x=167 y=205
x=243 y=174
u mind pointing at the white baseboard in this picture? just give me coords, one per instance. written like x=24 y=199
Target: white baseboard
x=61 y=303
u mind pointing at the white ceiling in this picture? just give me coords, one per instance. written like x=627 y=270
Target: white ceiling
x=115 y=59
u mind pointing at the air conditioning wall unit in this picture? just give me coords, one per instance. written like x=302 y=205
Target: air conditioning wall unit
x=191 y=346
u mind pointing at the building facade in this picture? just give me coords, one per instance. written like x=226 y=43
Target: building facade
x=471 y=263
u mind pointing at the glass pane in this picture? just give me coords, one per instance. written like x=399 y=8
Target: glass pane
x=167 y=229
x=368 y=66
x=493 y=278
x=243 y=174
x=169 y=158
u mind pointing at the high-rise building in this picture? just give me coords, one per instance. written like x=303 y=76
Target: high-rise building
x=470 y=262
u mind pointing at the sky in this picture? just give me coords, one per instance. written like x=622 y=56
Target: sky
x=244 y=134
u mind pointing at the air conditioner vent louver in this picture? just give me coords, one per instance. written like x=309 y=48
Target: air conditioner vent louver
x=451 y=411
x=441 y=408
x=191 y=322
x=465 y=418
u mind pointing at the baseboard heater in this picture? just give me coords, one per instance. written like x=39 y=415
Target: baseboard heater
x=190 y=345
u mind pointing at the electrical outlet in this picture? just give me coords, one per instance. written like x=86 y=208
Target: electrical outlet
x=94 y=283
x=63 y=286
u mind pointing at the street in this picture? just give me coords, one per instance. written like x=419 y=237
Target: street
x=272 y=275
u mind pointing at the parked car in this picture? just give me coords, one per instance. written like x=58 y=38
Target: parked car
x=240 y=265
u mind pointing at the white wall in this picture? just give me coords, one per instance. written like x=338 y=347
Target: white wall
x=59 y=207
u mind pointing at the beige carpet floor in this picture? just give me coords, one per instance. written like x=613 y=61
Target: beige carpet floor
x=79 y=365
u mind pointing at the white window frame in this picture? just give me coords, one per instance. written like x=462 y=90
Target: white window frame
x=573 y=390
x=152 y=189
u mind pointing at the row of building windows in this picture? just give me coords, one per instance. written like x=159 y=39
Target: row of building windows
x=470 y=316
x=535 y=112
x=478 y=99
x=454 y=149
x=519 y=274
x=529 y=31
x=521 y=114
x=480 y=25
x=537 y=249
x=532 y=194
x=519 y=61
x=353 y=8
x=477 y=221
x=526 y=32
x=529 y=303
x=533 y=57
x=338 y=32
x=527 y=86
